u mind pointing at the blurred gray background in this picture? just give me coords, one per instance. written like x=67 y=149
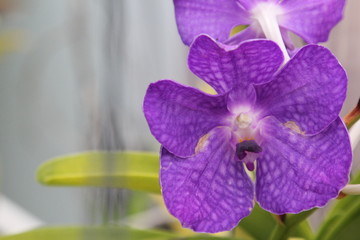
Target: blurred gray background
x=78 y=77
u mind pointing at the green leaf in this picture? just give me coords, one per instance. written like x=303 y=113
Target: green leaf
x=132 y=170
x=343 y=217
x=294 y=219
x=302 y=230
x=101 y=233
x=259 y=224
x=344 y=226
x=294 y=225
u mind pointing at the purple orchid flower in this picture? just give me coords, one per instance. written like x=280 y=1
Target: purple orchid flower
x=312 y=20
x=283 y=121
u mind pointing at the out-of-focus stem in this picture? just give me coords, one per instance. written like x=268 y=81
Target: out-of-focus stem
x=351 y=189
x=354 y=134
x=266 y=14
x=352 y=117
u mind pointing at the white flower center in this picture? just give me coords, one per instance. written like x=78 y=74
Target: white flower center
x=266 y=14
x=244 y=120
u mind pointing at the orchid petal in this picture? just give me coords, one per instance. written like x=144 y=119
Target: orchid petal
x=241 y=98
x=297 y=172
x=209 y=192
x=310 y=90
x=178 y=116
x=249 y=4
x=311 y=20
x=223 y=67
x=213 y=17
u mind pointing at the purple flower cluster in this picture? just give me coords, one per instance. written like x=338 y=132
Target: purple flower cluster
x=312 y=20
x=278 y=119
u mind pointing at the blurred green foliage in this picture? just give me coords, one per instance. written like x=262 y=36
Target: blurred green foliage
x=101 y=233
x=131 y=170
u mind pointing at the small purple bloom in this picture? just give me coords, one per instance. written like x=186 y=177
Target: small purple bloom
x=284 y=123
x=312 y=20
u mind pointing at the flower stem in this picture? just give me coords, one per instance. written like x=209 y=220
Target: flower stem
x=352 y=117
x=266 y=14
x=354 y=134
x=351 y=189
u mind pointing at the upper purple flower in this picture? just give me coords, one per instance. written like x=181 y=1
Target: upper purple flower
x=283 y=121
x=312 y=20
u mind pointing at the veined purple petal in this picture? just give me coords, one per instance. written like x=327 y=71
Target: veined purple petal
x=309 y=90
x=249 y=4
x=297 y=172
x=241 y=98
x=178 y=116
x=213 y=17
x=312 y=20
x=209 y=192
x=222 y=67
